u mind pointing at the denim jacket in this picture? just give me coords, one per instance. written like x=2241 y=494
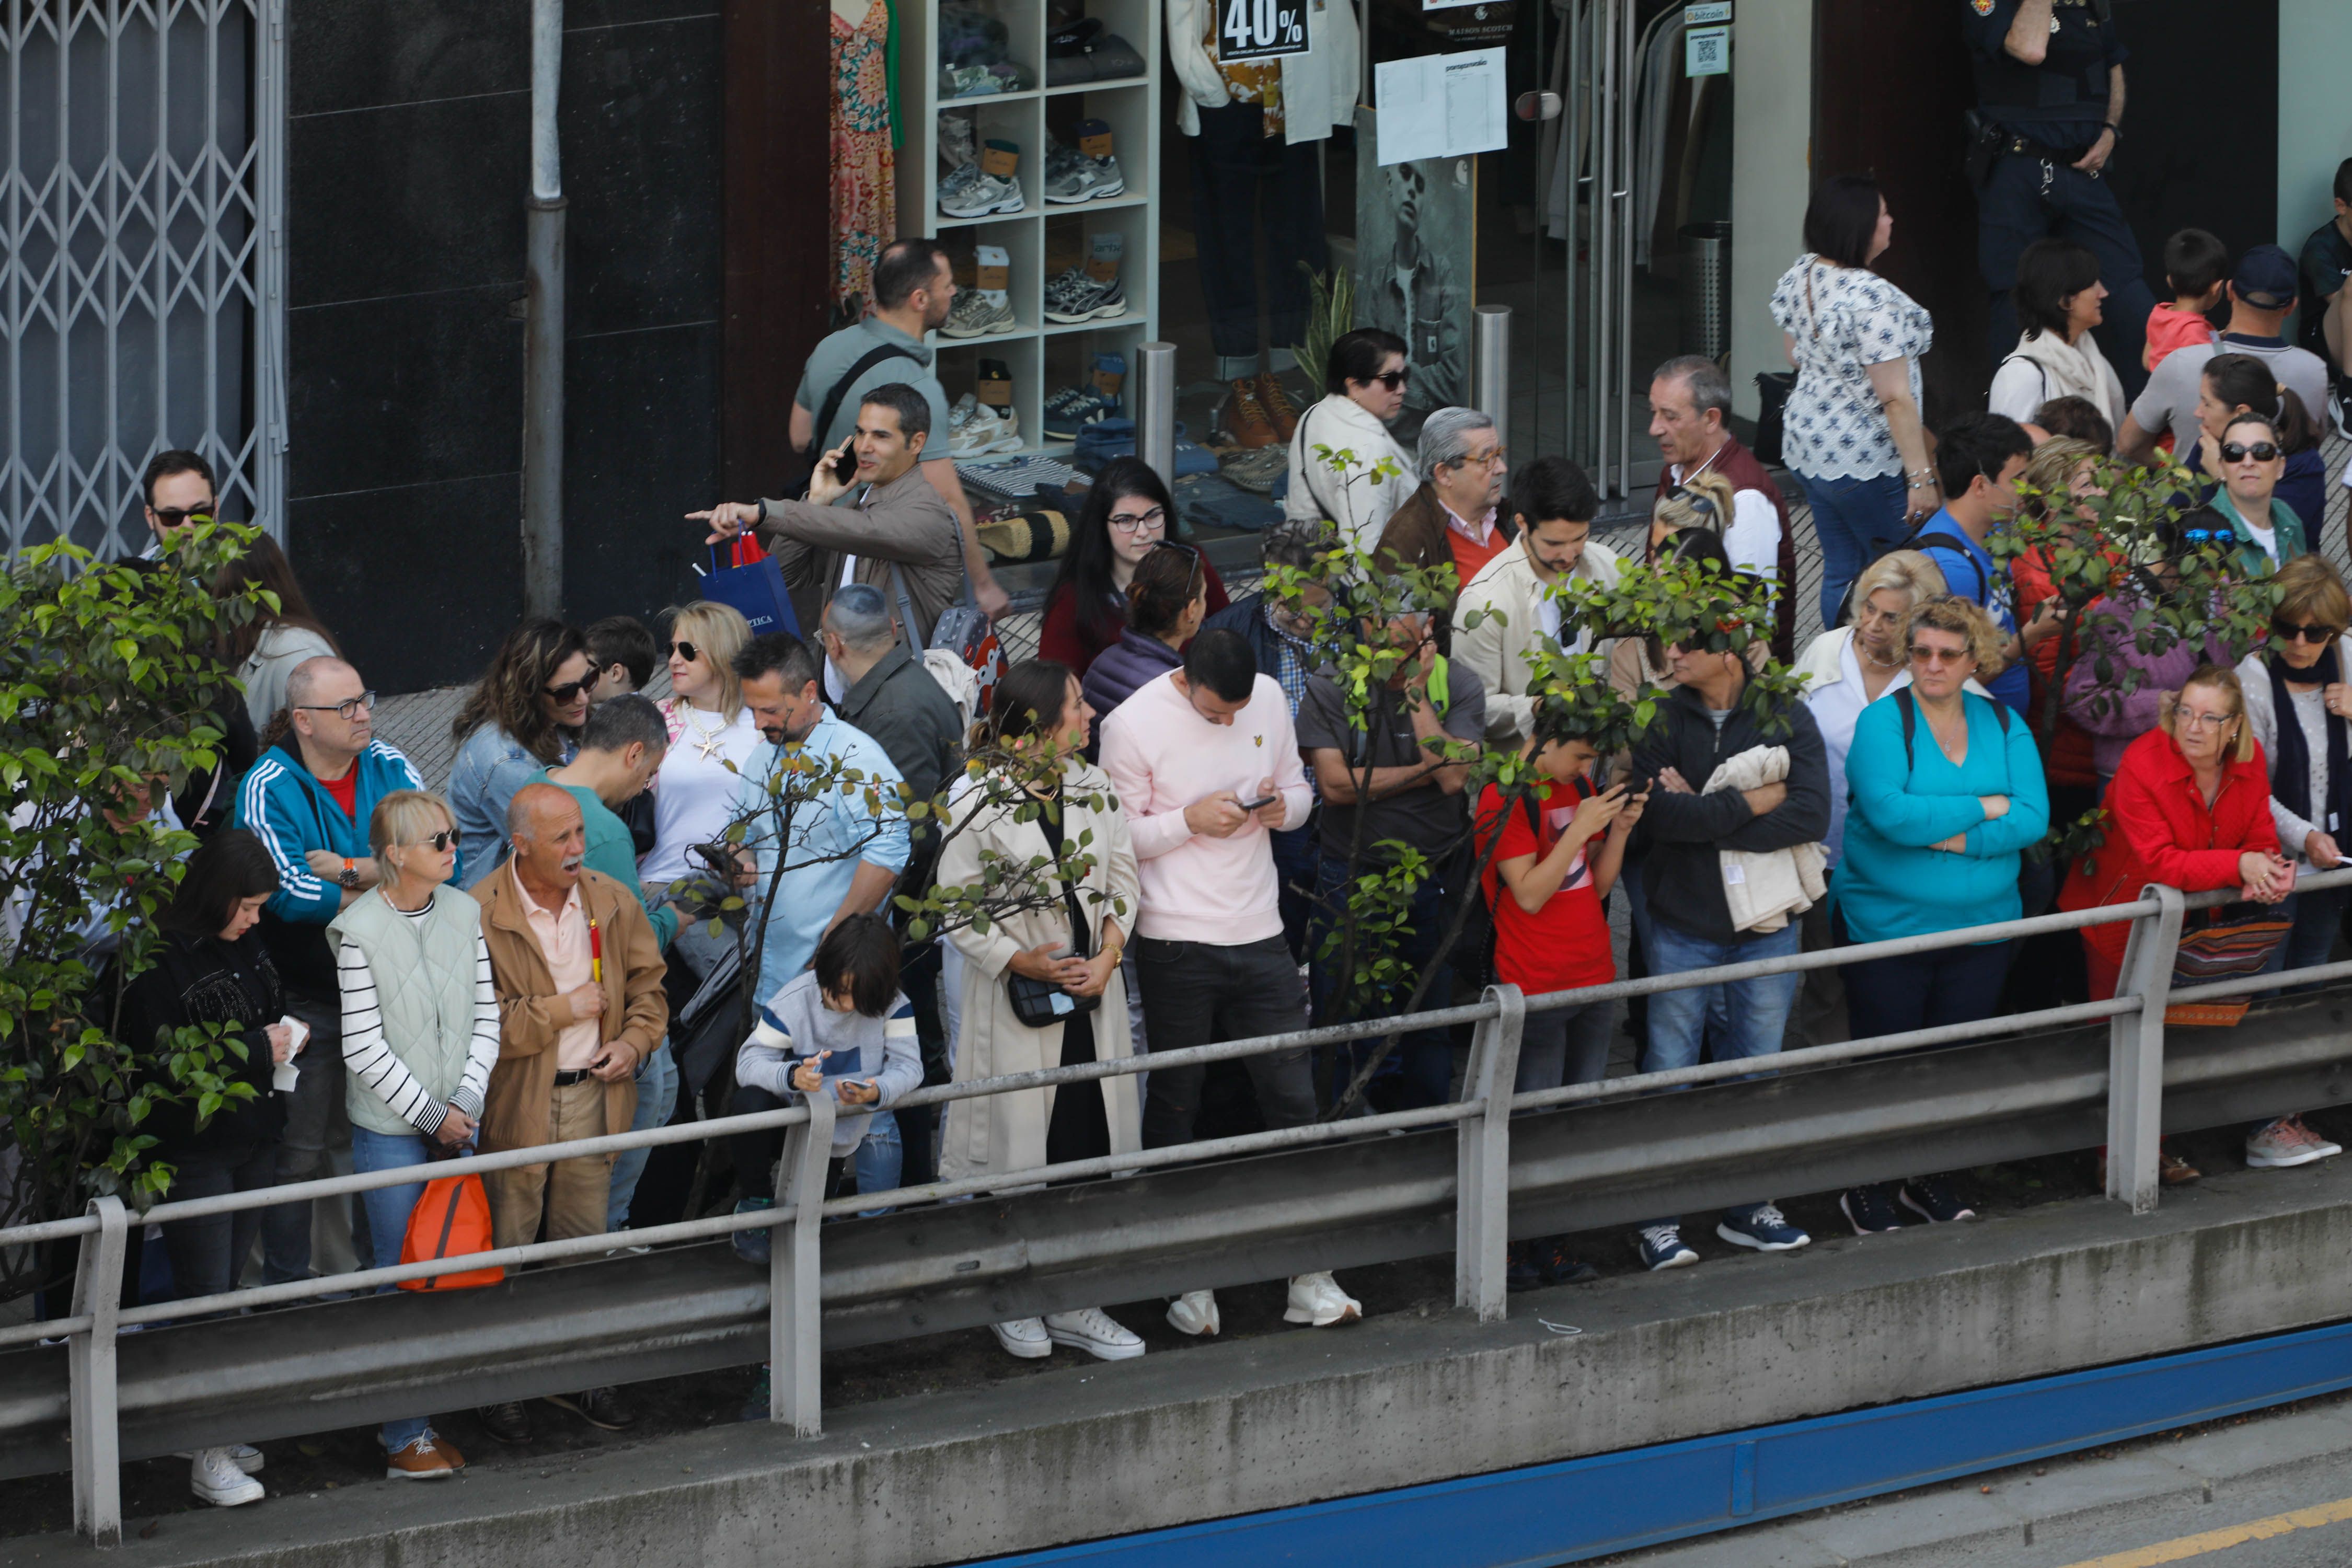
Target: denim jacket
x=490 y=767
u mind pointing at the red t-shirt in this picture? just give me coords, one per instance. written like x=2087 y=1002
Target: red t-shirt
x=1565 y=944
x=346 y=791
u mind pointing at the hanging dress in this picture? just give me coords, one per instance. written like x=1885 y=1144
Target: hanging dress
x=865 y=184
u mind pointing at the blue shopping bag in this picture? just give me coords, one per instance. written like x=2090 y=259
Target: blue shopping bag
x=753 y=585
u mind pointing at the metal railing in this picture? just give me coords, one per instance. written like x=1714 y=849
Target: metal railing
x=1479 y=1192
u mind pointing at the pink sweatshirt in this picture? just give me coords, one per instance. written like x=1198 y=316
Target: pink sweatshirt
x=1162 y=756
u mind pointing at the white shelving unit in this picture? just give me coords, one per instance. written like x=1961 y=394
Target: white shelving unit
x=1041 y=238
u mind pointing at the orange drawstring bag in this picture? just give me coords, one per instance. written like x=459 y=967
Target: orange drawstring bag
x=451 y=1220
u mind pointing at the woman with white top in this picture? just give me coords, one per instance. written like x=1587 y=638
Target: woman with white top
x=1365 y=375
x=420 y=1037
x=711 y=738
x=1852 y=432
x=1851 y=667
x=2058 y=298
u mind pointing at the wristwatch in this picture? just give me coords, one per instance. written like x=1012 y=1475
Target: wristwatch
x=350 y=876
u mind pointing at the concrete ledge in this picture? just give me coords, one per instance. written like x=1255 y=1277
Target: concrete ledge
x=1227 y=1429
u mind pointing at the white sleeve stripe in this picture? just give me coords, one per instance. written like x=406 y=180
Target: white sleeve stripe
x=482 y=1052
x=254 y=794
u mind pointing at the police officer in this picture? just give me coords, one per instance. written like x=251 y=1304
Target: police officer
x=2049 y=95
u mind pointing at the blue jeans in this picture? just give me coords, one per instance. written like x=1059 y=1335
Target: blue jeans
x=656 y=1098
x=387 y=1216
x=880 y=1158
x=2316 y=917
x=1854 y=519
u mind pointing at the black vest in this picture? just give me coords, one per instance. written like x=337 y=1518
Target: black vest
x=2062 y=101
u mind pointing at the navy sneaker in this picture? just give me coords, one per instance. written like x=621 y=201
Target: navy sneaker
x=1558 y=1265
x=1521 y=1273
x=1660 y=1246
x=1933 y=1196
x=752 y=1245
x=1869 y=1210
x=1763 y=1227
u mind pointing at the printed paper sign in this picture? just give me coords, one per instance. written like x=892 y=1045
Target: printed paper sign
x=1440 y=106
x=1707 y=51
x=1260 y=29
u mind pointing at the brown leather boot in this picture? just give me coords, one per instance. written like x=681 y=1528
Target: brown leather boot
x=1277 y=405
x=1246 y=421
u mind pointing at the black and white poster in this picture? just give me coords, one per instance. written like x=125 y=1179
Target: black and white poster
x=1260 y=29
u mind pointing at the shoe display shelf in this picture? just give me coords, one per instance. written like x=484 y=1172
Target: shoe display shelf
x=1042 y=355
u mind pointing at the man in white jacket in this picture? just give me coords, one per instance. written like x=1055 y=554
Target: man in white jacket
x=1552 y=505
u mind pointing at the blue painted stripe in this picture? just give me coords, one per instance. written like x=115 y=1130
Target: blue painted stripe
x=1579 y=1509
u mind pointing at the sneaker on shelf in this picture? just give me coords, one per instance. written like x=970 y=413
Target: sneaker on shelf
x=508 y=1422
x=1023 y=1337
x=973 y=315
x=1660 y=1246
x=984 y=195
x=1091 y=1329
x=1762 y=1227
x=1076 y=296
x=1317 y=1299
x=1277 y=405
x=599 y=1407
x=1245 y=417
x=752 y=1245
x=975 y=430
x=1933 y=1196
x=244 y=1456
x=1194 y=1312
x=215 y=1476
x=2283 y=1143
x=1868 y=1210
x=1080 y=178
x=957 y=180
x=424 y=1458
x=1074 y=408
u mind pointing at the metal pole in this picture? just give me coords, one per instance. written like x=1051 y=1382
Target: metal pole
x=1624 y=195
x=1481 y=1190
x=1155 y=409
x=1572 y=120
x=543 y=364
x=1490 y=364
x=796 y=1318
x=2136 y=1053
x=90 y=1370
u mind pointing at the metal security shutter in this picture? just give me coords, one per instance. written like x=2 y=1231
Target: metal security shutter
x=141 y=259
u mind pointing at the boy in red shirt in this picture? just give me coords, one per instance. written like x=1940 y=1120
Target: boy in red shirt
x=1561 y=849
x=2195 y=263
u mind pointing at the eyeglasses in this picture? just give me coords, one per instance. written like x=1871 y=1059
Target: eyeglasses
x=173 y=516
x=437 y=842
x=2204 y=721
x=348 y=709
x=1937 y=656
x=1128 y=522
x=572 y=688
x=1495 y=458
x=2261 y=452
x=1391 y=379
x=2315 y=633
x=684 y=650
x=1176 y=545
x=2207 y=536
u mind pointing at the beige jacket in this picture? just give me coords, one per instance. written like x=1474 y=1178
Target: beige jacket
x=898 y=532
x=1508 y=589
x=1007 y=1131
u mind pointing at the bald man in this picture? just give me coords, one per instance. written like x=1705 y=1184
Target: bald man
x=308 y=799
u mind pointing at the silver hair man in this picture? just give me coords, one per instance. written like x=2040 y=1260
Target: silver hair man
x=1445 y=439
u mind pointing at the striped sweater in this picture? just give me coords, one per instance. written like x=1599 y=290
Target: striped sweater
x=368 y=1058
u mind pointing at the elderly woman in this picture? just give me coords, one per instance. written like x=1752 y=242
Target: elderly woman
x=1127 y=515
x=1343 y=439
x=1852 y=434
x=2059 y=300
x=416 y=1054
x=1943 y=791
x=2252 y=462
x=1037 y=727
x=2302 y=675
x=1851 y=667
x=524 y=715
x=1456 y=517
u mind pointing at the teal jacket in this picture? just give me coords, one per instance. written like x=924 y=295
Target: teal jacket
x=1889 y=882
x=2286 y=523
x=611 y=851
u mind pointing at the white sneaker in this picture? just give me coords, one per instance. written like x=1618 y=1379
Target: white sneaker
x=1091 y=1329
x=982 y=194
x=214 y=1475
x=1317 y=1299
x=1194 y=1312
x=245 y=1455
x=1023 y=1337
x=975 y=430
x=974 y=315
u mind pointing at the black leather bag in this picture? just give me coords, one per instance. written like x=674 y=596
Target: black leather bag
x=1772 y=389
x=1036 y=1004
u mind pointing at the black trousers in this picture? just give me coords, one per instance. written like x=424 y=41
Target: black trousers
x=2026 y=199
x=1197 y=993
x=205 y=1253
x=1247 y=185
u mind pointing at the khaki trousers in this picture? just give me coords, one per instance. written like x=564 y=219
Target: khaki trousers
x=573 y=1193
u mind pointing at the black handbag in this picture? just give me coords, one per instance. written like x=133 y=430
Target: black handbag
x=1772 y=389
x=1037 y=1004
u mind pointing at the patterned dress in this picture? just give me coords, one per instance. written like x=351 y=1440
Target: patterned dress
x=864 y=183
x=1842 y=320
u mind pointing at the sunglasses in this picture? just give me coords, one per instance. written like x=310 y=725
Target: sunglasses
x=2318 y=634
x=437 y=842
x=1698 y=504
x=2207 y=536
x=1128 y=522
x=572 y=688
x=1391 y=379
x=2261 y=452
x=349 y=708
x=1937 y=656
x=1191 y=550
x=173 y=516
x=685 y=650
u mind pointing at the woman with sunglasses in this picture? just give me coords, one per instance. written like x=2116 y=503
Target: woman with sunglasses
x=711 y=738
x=524 y=715
x=1364 y=382
x=1167 y=600
x=1126 y=513
x=1944 y=795
x=2252 y=464
x=2233 y=383
x=420 y=1037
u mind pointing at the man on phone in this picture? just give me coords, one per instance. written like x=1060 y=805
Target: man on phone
x=1205 y=763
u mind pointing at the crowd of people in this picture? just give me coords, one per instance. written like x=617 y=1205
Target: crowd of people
x=512 y=962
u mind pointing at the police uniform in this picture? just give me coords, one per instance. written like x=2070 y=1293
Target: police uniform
x=2048 y=116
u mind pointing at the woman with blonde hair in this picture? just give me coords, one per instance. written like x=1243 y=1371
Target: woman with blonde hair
x=1849 y=668
x=711 y=738
x=1944 y=795
x=1703 y=501
x=420 y=1037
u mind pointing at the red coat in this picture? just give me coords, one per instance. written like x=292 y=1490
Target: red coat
x=2069 y=759
x=1062 y=637
x=2160 y=830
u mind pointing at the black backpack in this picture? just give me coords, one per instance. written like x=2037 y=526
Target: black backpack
x=1915 y=540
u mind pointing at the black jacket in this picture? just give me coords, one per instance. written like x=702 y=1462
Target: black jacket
x=1682 y=872
x=203 y=980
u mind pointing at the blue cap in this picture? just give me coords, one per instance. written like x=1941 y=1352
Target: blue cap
x=2266 y=277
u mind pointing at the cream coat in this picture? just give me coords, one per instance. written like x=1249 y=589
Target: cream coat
x=1007 y=1131
x=1499 y=646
